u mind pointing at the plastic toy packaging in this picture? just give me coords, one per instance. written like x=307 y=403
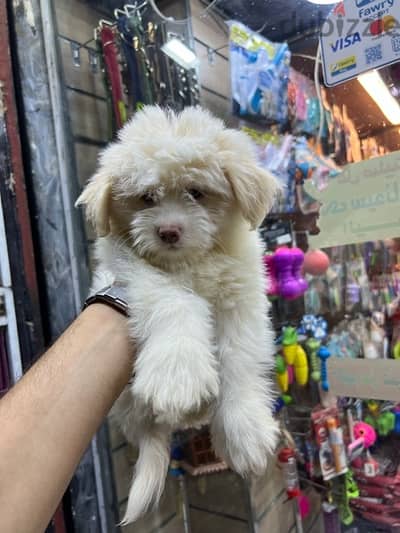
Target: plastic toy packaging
x=275 y=153
x=310 y=166
x=277 y=158
x=347 y=338
x=335 y=277
x=259 y=75
x=329 y=438
x=358 y=295
x=304 y=105
x=315 y=297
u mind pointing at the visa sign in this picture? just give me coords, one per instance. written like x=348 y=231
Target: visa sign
x=345 y=42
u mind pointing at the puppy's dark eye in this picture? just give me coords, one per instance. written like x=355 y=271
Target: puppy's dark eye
x=196 y=194
x=148 y=199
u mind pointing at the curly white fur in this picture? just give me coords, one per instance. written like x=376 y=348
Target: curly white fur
x=199 y=316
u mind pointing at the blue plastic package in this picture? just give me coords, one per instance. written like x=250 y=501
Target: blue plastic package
x=259 y=75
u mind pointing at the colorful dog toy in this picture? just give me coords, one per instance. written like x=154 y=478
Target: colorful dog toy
x=324 y=354
x=312 y=346
x=316 y=262
x=295 y=357
x=314 y=326
x=287 y=263
x=289 y=343
x=301 y=366
x=365 y=433
x=282 y=374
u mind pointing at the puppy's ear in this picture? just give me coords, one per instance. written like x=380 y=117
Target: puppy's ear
x=253 y=187
x=96 y=197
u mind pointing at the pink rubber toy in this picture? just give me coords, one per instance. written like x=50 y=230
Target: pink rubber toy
x=290 y=370
x=272 y=282
x=366 y=432
x=304 y=505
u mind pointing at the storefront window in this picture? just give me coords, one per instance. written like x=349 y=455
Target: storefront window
x=324 y=119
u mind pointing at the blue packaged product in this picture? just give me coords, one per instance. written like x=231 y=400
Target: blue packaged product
x=259 y=75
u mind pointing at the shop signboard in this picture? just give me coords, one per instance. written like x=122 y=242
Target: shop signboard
x=361 y=204
x=357 y=36
x=362 y=378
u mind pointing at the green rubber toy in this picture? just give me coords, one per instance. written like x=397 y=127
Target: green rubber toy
x=371 y=420
x=280 y=365
x=312 y=346
x=289 y=336
x=287 y=400
x=385 y=423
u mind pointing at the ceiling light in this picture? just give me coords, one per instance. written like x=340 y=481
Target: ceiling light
x=179 y=52
x=324 y=2
x=375 y=86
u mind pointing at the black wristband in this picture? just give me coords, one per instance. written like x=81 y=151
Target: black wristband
x=113 y=296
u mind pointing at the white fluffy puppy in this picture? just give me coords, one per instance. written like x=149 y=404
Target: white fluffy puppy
x=176 y=202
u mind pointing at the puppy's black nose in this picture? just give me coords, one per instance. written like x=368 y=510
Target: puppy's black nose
x=170 y=234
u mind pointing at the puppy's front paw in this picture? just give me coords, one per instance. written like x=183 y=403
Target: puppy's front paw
x=180 y=381
x=244 y=435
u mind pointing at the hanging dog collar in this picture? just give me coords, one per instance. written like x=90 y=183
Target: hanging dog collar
x=110 y=53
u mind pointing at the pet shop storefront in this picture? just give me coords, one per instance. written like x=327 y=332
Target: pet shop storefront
x=293 y=425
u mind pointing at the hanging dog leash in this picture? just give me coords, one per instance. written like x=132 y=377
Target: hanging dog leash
x=135 y=89
x=110 y=54
x=135 y=40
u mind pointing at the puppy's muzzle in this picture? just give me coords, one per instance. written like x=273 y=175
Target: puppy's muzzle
x=170 y=234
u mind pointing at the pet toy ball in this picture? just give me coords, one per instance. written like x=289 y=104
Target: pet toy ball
x=301 y=366
x=289 y=343
x=366 y=433
x=316 y=262
x=313 y=346
x=282 y=375
x=324 y=354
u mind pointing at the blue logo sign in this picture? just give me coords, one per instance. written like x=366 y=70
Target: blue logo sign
x=345 y=42
x=362 y=3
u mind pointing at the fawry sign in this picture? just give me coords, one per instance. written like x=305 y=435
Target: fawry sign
x=359 y=35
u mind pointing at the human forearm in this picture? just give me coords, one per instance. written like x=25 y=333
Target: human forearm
x=48 y=419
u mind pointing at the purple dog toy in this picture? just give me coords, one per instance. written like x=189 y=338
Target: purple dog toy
x=287 y=264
